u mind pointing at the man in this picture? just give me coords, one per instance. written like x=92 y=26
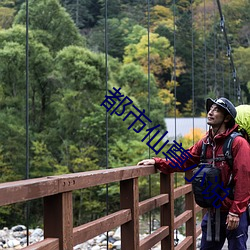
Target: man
x=221 y=115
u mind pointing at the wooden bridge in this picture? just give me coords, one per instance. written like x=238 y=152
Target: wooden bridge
x=56 y=192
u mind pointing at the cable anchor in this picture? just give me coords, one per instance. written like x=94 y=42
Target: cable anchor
x=222 y=24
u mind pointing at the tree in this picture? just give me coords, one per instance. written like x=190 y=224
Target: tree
x=135 y=81
x=84 y=13
x=161 y=16
x=161 y=59
x=242 y=65
x=118 y=31
x=53 y=25
x=78 y=75
x=40 y=60
x=6 y=17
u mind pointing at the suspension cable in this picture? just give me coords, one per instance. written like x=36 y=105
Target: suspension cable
x=229 y=53
x=106 y=82
x=149 y=155
x=215 y=53
x=27 y=207
x=222 y=68
x=205 y=51
x=175 y=94
x=192 y=28
x=174 y=75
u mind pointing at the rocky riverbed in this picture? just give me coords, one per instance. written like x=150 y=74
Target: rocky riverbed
x=16 y=238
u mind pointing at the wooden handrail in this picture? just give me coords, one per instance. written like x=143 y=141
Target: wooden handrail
x=56 y=191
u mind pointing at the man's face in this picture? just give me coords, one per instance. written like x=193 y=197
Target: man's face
x=215 y=116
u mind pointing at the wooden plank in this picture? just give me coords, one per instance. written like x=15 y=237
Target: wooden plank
x=58 y=219
x=129 y=196
x=154 y=238
x=182 y=190
x=185 y=244
x=90 y=230
x=98 y=177
x=46 y=244
x=198 y=231
x=152 y=203
x=198 y=209
x=191 y=223
x=182 y=218
x=167 y=210
x=24 y=190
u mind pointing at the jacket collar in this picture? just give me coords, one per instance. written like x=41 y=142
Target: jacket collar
x=221 y=136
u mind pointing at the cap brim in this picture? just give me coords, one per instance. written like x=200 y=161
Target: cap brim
x=209 y=103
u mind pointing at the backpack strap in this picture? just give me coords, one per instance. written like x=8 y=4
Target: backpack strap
x=203 y=152
x=227 y=148
x=203 y=158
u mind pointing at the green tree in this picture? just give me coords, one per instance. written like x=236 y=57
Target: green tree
x=6 y=17
x=42 y=163
x=13 y=60
x=118 y=31
x=8 y=9
x=242 y=64
x=53 y=25
x=135 y=82
x=84 y=13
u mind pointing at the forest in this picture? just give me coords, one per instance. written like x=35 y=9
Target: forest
x=166 y=56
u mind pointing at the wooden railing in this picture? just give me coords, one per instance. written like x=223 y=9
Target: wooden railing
x=56 y=192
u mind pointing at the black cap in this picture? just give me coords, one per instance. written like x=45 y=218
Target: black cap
x=223 y=103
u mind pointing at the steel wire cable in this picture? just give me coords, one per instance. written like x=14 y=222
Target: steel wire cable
x=106 y=119
x=175 y=94
x=149 y=155
x=192 y=77
x=27 y=204
x=229 y=54
x=205 y=49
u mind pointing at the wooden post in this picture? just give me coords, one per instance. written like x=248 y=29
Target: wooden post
x=167 y=210
x=129 y=197
x=190 y=205
x=58 y=219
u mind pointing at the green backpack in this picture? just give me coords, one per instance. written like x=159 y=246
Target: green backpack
x=243 y=120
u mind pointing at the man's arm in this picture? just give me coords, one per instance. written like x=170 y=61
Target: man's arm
x=165 y=165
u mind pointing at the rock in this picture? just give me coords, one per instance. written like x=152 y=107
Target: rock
x=95 y=248
x=23 y=240
x=13 y=243
x=103 y=243
x=111 y=233
x=18 y=234
x=3 y=233
x=18 y=228
x=111 y=239
x=38 y=232
x=117 y=244
x=100 y=238
x=13 y=240
x=117 y=235
x=91 y=242
x=80 y=246
x=18 y=247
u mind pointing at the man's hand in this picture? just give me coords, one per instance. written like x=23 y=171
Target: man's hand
x=232 y=222
x=146 y=162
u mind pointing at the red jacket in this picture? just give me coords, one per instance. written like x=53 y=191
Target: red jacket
x=241 y=167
